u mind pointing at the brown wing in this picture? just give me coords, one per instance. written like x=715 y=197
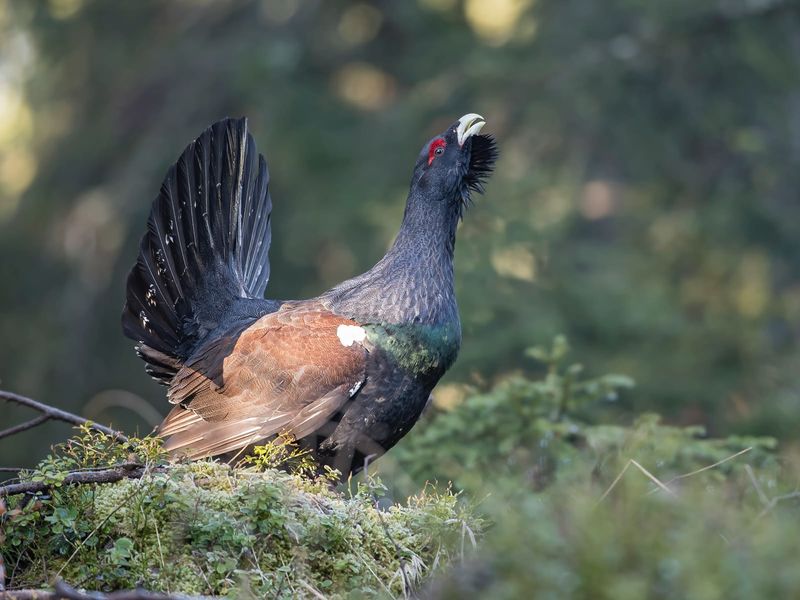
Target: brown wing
x=288 y=372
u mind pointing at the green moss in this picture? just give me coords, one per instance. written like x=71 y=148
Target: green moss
x=208 y=528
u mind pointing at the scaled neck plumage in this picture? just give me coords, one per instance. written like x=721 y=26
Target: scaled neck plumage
x=413 y=282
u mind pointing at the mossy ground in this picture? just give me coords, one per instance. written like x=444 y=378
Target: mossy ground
x=208 y=528
x=565 y=512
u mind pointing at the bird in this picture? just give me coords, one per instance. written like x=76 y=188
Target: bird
x=344 y=375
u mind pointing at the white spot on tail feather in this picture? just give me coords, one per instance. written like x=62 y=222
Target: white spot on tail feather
x=349 y=334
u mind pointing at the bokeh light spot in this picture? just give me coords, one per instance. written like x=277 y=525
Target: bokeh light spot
x=598 y=200
x=364 y=86
x=360 y=24
x=495 y=21
x=449 y=395
x=753 y=291
x=64 y=9
x=514 y=262
x=17 y=170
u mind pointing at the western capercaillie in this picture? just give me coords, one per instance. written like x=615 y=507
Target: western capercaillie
x=347 y=373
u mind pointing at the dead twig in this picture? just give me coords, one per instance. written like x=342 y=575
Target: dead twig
x=107 y=475
x=64 y=591
x=28 y=595
x=51 y=413
x=23 y=426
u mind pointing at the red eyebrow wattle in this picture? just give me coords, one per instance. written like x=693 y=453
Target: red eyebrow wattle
x=437 y=143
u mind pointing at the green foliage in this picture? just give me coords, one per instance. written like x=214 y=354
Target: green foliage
x=209 y=528
x=589 y=511
x=716 y=537
x=644 y=202
x=531 y=428
x=285 y=455
x=568 y=508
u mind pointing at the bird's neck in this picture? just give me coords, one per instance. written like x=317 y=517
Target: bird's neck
x=427 y=236
x=413 y=282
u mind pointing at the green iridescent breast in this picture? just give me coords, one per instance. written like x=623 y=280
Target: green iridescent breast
x=418 y=348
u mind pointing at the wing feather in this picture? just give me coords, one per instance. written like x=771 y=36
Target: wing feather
x=286 y=373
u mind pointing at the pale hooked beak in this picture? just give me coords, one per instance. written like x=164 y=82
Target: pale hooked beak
x=469 y=125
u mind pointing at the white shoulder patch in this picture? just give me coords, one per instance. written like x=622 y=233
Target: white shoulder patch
x=349 y=334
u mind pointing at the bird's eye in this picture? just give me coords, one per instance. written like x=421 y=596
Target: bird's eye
x=436 y=149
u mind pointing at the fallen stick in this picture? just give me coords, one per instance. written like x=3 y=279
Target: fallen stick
x=107 y=475
x=64 y=591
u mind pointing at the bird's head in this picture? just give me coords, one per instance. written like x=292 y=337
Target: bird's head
x=455 y=163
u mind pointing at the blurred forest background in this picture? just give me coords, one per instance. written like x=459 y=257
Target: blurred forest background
x=645 y=203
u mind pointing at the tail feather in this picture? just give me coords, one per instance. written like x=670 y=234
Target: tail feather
x=206 y=245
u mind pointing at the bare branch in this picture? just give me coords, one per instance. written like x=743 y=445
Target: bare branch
x=50 y=412
x=28 y=595
x=108 y=475
x=67 y=592
x=64 y=591
x=24 y=426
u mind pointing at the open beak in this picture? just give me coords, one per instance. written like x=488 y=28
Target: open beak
x=469 y=125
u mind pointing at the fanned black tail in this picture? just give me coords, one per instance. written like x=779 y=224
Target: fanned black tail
x=206 y=246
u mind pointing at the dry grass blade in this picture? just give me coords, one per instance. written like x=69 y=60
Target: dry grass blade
x=647 y=473
x=708 y=467
x=613 y=483
x=467 y=531
x=372 y=571
x=777 y=500
x=665 y=486
x=406 y=581
x=761 y=495
x=653 y=478
x=314 y=591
